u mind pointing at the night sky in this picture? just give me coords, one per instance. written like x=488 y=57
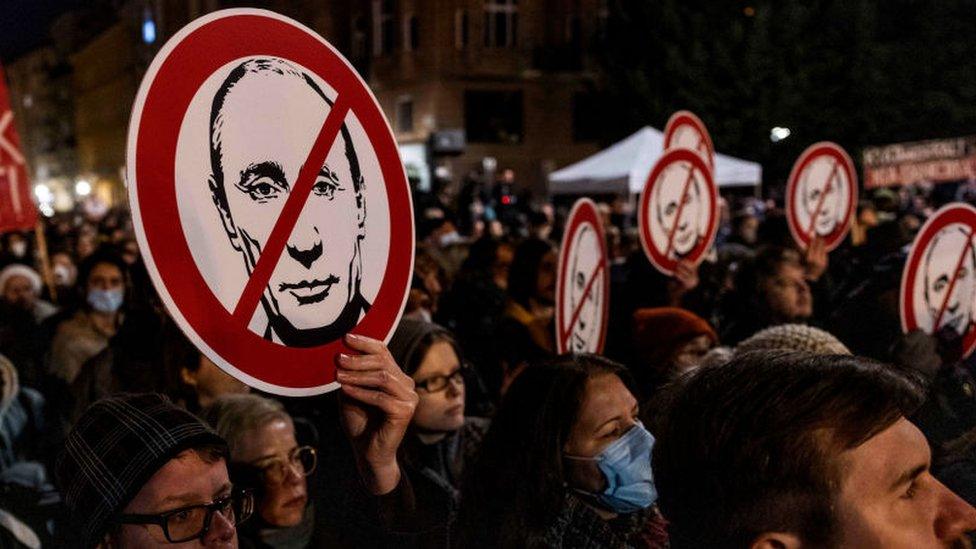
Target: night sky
x=24 y=24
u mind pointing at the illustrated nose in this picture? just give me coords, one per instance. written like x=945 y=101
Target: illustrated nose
x=956 y=517
x=307 y=252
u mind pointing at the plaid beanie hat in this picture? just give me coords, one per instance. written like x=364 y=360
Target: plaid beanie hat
x=793 y=337
x=116 y=446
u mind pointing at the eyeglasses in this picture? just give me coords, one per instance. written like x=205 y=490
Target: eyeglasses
x=437 y=384
x=193 y=521
x=301 y=460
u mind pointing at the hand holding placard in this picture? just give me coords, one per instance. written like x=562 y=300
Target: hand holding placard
x=377 y=404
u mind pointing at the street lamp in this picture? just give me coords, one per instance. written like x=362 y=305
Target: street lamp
x=148 y=28
x=82 y=188
x=778 y=134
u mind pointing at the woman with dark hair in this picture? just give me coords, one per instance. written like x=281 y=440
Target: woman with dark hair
x=474 y=305
x=566 y=463
x=527 y=327
x=103 y=284
x=441 y=438
x=192 y=379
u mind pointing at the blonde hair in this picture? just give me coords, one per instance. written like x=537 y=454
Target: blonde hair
x=233 y=416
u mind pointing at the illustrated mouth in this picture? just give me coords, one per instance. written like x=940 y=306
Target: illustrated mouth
x=307 y=292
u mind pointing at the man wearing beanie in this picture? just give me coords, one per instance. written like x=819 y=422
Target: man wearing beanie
x=137 y=471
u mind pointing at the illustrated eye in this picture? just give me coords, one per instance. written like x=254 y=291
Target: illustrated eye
x=326 y=188
x=938 y=286
x=672 y=206
x=580 y=280
x=261 y=189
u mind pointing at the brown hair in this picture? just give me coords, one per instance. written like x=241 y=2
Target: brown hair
x=751 y=446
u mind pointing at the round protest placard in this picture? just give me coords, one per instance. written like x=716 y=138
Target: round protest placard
x=685 y=130
x=938 y=285
x=821 y=195
x=583 y=291
x=678 y=213
x=268 y=198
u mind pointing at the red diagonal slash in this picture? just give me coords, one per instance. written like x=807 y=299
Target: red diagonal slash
x=579 y=308
x=820 y=203
x=952 y=282
x=681 y=207
x=272 y=249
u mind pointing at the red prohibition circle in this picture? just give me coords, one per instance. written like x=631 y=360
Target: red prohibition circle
x=584 y=213
x=174 y=77
x=662 y=259
x=802 y=235
x=952 y=214
x=688 y=118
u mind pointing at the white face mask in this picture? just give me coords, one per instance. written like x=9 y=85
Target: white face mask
x=63 y=275
x=18 y=249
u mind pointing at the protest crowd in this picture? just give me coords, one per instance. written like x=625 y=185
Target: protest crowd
x=765 y=398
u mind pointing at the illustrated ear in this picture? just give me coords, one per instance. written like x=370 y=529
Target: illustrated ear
x=776 y=540
x=216 y=194
x=361 y=208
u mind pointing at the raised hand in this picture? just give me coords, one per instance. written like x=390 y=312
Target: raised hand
x=377 y=404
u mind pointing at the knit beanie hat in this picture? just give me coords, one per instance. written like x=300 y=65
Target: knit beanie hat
x=116 y=446
x=16 y=269
x=793 y=337
x=405 y=343
x=659 y=331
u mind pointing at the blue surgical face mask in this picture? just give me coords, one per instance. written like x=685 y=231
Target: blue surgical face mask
x=626 y=465
x=105 y=301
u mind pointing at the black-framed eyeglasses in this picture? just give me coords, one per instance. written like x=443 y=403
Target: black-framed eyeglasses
x=302 y=460
x=193 y=521
x=437 y=384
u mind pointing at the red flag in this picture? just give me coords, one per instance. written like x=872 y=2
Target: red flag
x=17 y=209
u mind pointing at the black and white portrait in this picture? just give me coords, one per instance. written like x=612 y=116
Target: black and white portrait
x=259 y=118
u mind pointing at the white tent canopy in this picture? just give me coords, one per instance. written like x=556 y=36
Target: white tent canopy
x=623 y=168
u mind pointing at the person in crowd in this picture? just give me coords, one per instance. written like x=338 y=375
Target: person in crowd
x=102 y=279
x=425 y=288
x=527 y=324
x=20 y=286
x=801 y=450
x=744 y=229
x=22 y=430
x=668 y=342
x=15 y=248
x=266 y=458
x=65 y=274
x=137 y=471
x=134 y=445
x=565 y=463
x=793 y=337
x=474 y=305
x=441 y=439
x=21 y=313
x=194 y=380
x=773 y=288
x=150 y=354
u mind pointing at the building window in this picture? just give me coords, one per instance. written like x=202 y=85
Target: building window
x=460 y=29
x=411 y=36
x=493 y=116
x=404 y=115
x=501 y=23
x=384 y=27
